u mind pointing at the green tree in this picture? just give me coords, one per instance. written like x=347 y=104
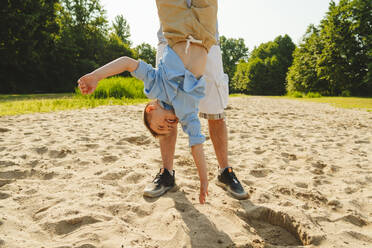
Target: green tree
x=303 y=74
x=233 y=50
x=122 y=29
x=266 y=69
x=147 y=53
x=340 y=53
x=115 y=48
x=27 y=31
x=81 y=45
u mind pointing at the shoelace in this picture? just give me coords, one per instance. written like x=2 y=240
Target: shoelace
x=158 y=177
x=233 y=178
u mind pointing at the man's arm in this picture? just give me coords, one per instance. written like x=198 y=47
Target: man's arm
x=88 y=83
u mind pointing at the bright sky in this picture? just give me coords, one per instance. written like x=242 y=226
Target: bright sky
x=256 y=21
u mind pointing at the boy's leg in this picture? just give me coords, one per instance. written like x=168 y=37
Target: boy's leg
x=212 y=108
x=165 y=178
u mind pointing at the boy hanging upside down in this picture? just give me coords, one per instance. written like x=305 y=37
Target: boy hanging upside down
x=177 y=84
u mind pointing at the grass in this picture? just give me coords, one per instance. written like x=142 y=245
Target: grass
x=343 y=102
x=15 y=97
x=363 y=103
x=112 y=91
x=18 y=107
x=126 y=91
x=119 y=87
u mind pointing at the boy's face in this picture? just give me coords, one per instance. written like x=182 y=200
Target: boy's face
x=162 y=121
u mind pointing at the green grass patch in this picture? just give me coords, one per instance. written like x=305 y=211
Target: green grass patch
x=112 y=91
x=363 y=103
x=238 y=95
x=14 y=97
x=119 y=87
x=297 y=94
x=49 y=105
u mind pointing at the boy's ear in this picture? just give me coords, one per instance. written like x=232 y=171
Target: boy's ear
x=150 y=108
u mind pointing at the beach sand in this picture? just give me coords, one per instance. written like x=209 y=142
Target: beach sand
x=74 y=179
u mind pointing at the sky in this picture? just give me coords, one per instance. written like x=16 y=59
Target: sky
x=256 y=21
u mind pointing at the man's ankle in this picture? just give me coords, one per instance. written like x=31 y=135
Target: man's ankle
x=222 y=169
x=171 y=172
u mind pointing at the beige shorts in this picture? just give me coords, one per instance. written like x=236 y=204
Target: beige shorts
x=212 y=106
x=180 y=21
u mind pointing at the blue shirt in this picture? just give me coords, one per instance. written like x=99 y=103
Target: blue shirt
x=174 y=85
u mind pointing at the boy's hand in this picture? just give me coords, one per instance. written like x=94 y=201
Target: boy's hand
x=203 y=191
x=88 y=83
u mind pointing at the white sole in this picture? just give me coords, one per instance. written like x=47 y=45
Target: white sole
x=235 y=195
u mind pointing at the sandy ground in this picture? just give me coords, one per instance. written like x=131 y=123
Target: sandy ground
x=74 y=179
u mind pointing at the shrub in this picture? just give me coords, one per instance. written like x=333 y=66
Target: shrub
x=346 y=93
x=296 y=94
x=313 y=95
x=117 y=87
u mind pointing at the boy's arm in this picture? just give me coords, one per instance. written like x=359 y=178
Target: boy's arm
x=88 y=83
x=191 y=125
x=198 y=155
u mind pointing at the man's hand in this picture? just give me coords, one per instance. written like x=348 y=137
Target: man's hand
x=88 y=83
x=203 y=191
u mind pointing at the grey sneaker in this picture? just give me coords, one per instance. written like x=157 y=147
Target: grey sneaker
x=230 y=182
x=162 y=182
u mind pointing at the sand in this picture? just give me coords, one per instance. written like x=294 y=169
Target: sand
x=74 y=179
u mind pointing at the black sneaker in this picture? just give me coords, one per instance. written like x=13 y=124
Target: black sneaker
x=163 y=182
x=230 y=182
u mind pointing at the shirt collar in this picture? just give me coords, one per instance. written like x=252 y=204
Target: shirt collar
x=165 y=105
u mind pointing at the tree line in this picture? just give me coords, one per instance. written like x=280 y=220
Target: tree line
x=47 y=44
x=333 y=58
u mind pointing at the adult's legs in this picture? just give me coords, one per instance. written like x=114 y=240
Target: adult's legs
x=212 y=108
x=218 y=135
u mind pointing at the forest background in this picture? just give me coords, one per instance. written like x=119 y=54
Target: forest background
x=46 y=45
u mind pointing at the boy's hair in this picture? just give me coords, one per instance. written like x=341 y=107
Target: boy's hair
x=146 y=121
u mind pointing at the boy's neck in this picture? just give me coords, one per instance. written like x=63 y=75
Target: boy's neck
x=195 y=59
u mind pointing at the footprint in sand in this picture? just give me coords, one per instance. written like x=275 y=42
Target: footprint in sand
x=40 y=150
x=278 y=228
x=260 y=172
x=22 y=174
x=289 y=156
x=134 y=177
x=112 y=175
x=85 y=246
x=4 y=195
x=138 y=140
x=13 y=174
x=358 y=236
x=353 y=219
x=4 y=130
x=59 y=153
x=7 y=163
x=92 y=146
x=301 y=185
x=4 y=182
x=109 y=159
x=69 y=225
